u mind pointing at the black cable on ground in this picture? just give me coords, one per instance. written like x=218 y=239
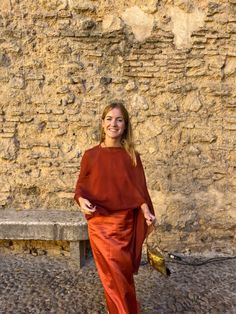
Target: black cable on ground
x=179 y=260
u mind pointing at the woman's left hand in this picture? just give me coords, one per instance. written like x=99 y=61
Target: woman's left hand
x=150 y=218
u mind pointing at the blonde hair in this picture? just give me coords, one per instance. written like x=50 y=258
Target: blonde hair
x=127 y=136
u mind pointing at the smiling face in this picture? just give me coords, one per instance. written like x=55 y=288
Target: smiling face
x=113 y=124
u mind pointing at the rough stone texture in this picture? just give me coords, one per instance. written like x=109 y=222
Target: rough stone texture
x=59 y=68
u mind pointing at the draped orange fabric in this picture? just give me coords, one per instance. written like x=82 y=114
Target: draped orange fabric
x=117 y=229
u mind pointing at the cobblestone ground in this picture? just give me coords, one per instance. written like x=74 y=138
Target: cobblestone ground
x=44 y=284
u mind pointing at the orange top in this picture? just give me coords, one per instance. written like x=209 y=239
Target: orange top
x=110 y=181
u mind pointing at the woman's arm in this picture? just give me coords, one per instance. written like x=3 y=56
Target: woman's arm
x=85 y=205
x=147 y=207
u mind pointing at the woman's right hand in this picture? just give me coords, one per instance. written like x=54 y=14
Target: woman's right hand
x=150 y=218
x=86 y=207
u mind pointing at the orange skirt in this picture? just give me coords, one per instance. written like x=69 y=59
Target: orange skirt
x=111 y=239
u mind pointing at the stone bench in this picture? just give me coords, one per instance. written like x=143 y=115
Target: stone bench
x=47 y=225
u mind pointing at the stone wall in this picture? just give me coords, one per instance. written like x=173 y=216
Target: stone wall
x=172 y=62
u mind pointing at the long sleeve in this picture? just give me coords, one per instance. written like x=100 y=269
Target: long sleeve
x=142 y=184
x=84 y=172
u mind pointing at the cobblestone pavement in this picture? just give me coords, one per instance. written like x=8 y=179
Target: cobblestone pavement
x=44 y=284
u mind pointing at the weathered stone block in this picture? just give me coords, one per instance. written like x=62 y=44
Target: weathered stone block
x=140 y=22
x=111 y=23
x=82 y=6
x=8 y=148
x=184 y=24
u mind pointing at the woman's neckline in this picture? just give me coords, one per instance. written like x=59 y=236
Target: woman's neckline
x=109 y=147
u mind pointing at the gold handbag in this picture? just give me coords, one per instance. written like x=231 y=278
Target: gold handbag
x=155 y=257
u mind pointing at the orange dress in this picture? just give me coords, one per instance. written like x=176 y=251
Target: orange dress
x=117 y=229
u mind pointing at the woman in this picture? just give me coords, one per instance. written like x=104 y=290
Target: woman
x=112 y=192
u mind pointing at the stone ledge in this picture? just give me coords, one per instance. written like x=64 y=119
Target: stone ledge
x=47 y=225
